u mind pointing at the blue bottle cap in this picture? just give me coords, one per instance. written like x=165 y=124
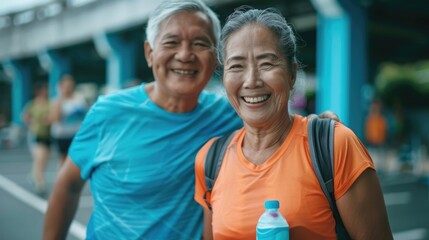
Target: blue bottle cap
x=270 y=204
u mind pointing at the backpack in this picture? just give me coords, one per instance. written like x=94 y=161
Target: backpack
x=321 y=146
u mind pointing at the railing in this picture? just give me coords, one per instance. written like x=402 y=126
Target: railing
x=40 y=12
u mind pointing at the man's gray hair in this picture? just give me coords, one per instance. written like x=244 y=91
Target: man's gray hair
x=169 y=8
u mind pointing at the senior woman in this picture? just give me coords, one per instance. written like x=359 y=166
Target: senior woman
x=269 y=157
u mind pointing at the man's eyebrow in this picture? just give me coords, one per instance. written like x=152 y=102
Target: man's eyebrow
x=207 y=40
x=169 y=35
x=203 y=38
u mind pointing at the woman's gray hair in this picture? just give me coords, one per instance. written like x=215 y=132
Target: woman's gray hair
x=169 y=8
x=270 y=18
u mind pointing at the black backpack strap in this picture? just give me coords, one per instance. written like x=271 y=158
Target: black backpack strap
x=213 y=162
x=321 y=144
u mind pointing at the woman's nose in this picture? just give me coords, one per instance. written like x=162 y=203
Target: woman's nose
x=252 y=78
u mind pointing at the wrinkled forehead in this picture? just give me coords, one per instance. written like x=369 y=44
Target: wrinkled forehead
x=254 y=34
x=185 y=17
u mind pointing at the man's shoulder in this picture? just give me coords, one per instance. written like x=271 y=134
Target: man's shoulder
x=211 y=99
x=123 y=96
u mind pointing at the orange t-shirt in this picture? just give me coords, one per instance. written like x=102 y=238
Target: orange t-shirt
x=241 y=187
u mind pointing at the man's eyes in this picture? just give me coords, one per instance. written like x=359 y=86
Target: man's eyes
x=170 y=43
x=202 y=44
x=199 y=44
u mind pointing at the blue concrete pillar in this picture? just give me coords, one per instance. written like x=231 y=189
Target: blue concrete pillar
x=341 y=60
x=56 y=64
x=120 y=54
x=359 y=66
x=21 y=86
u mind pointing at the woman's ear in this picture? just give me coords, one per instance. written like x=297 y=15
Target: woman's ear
x=148 y=53
x=294 y=73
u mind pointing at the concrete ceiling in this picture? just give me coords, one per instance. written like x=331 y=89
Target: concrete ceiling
x=398 y=31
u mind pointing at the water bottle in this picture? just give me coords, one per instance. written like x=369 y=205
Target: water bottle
x=272 y=225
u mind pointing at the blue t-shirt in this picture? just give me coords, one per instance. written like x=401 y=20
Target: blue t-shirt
x=140 y=162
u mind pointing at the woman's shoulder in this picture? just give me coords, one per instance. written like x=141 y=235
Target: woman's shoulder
x=342 y=132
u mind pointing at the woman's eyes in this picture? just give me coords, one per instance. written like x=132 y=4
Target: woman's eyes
x=235 y=67
x=266 y=65
x=263 y=66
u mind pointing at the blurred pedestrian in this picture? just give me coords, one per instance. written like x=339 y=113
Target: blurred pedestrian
x=137 y=145
x=403 y=132
x=68 y=111
x=36 y=116
x=376 y=133
x=269 y=157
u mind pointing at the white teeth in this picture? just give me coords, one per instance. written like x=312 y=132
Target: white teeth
x=184 y=72
x=256 y=99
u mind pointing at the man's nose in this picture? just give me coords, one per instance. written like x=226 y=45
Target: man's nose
x=185 y=53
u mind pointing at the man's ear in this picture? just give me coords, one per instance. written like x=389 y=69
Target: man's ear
x=148 y=53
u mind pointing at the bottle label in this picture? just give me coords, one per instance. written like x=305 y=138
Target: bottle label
x=280 y=233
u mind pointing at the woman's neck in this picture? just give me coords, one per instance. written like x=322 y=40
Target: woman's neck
x=170 y=103
x=260 y=144
x=41 y=99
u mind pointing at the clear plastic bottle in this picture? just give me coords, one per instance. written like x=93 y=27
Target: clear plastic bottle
x=272 y=225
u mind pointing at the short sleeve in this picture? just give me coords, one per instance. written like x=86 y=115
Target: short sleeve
x=85 y=142
x=351 y=159
x=200 y=184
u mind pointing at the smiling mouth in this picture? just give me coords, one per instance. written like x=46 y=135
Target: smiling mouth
x=184 y=72
x=256 y=100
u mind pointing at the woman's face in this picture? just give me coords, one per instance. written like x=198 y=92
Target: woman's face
x=183 y=58
x=67 y=86
x=257 y=76
x=43 y=92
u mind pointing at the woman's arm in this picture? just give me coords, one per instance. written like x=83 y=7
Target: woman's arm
x=56 y=111
x=25 y=115
x=207 y=230
x=362 y=209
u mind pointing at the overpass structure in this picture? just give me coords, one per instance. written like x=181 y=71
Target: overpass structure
x=101 y=42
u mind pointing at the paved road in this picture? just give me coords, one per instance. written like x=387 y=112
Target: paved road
x=22 y=212
x=407 y=201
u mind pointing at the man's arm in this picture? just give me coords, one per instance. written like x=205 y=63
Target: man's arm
x=207 y=230
x=63 y=201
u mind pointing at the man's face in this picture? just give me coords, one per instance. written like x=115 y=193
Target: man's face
x=183 y=57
